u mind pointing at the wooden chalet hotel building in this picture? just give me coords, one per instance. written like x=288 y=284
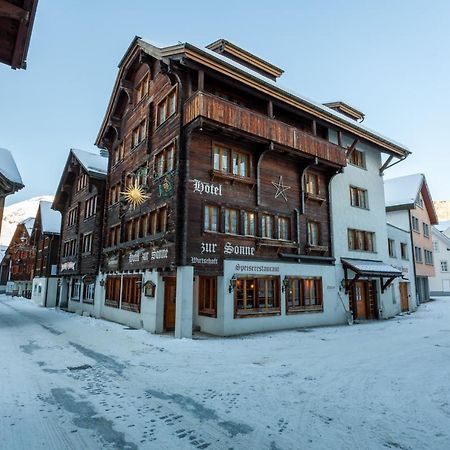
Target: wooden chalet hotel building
x=218 y=211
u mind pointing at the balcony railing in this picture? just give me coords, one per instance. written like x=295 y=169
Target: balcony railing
x=224 y=112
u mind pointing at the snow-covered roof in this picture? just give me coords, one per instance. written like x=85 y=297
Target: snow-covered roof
x=402 y=191
x=443 y=226
x=29 y=224
x=50 y=219
x=442 y=234
x=370 y=267
x=93 y=163
x=8 y=168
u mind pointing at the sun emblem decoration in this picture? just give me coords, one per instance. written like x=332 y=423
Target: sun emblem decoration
x=135 y=195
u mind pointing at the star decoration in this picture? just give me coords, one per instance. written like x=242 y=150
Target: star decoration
x=135 y=195
x=281 y=188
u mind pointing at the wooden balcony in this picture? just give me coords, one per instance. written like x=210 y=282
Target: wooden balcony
x=226 y=113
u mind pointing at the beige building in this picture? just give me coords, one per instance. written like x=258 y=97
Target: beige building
x=409 y=206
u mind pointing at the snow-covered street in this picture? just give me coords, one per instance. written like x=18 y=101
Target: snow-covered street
x=71 y=382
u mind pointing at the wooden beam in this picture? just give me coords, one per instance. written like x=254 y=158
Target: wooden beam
x=387 y=284
x=11 y=11
x=351 y=148
x=201 y=80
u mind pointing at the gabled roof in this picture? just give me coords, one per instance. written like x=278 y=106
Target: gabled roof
x=95 y=164
x=251 y=78
x=441 y=235
x=402 y=192
x=443 y=226
x=9 y=171
x=50 y=219
x=28 y=224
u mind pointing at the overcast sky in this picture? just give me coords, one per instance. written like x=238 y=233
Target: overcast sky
x=389 y=59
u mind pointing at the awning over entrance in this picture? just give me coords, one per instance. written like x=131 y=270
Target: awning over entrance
x=367 y=268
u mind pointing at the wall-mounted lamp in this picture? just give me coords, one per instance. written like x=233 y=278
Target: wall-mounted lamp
x=232 y=284
x=102 y=283
x=285 y=283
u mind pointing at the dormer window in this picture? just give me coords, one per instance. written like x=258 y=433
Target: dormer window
x=83 y=181
x=142 y=88
x=419 y=201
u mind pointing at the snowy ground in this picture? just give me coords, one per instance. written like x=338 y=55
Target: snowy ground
x=70 y=382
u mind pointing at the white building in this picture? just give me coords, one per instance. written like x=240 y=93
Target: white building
x=440 y=283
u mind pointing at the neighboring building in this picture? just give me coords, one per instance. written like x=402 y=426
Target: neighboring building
x=403 y=290
x=18 y=263
x=16 y=25
x=10 y=179
x=440 y=283
x=444 y=227
x=218 y=192
x=360 y=234
x=45 y=238
x=409 y=206
x=80 y=199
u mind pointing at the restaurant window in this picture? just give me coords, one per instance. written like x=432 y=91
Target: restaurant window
x=404 y=250
x=358 y=197
x=391 y=248
x=131 y=293
x=207 y=296
x=167 y=107
x=249 y=223
x=211 y=218
x=231 y=221
x=88 y=293
x=267 y=226
x=112 y=291
x=361 y=240
x=90 y=207
x=312 y=184
x=164 y=160
x=357 y=158
x=313 y=233
x=257 y=295
x=304 y=294
x=230 y=161
x=284 y=232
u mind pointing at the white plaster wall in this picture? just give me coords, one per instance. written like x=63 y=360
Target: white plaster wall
x=42 y=287
x=344 y=216
x=399 y=219
x=211 y=325
x=332 y=314
x=439 y=283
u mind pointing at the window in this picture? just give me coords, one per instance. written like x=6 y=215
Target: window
x=304 y=294
x=75 y=290
x=118 y=154
x=72 y=216
x=114 y=194
x=90 y=207
x=256 y=295
x=361 y=240
x=428 y=257
x=161 y=223
x=418 y=254
x=88 y=293
x=419 y=201
x=87 y=243
x=164 y=160
x=70 y=248
x=112 y=291
x=167 y=107
x=312 y=184
x=211 y=219
x=230 y=161
x=313 y=232
x=404 y=250
x=436 y=246
x=114 y=236
x=131 y=293
x=284 y=231
x=426 y=229
x=358 y=197
x=138 y=134
x=207 y=296
x=142 y=88
x=357 y=158
x=444 y=266
x=391 y=248
x=231 y=221
x=267 y=228
x=83 y=181
x=415 y=223
x=249 y=223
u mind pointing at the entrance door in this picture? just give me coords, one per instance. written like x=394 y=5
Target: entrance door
x=404 y=297
x=363 y=300
x=170 y=294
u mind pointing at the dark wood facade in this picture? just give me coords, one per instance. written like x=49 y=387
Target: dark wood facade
x=80 y=199
x=281 y=147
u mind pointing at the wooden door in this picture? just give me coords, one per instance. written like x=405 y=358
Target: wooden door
x=404 y=297
x=360 y=300
x=363 y=298
x=170 y=295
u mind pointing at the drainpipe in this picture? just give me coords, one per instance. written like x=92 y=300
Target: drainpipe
x=413 y=256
